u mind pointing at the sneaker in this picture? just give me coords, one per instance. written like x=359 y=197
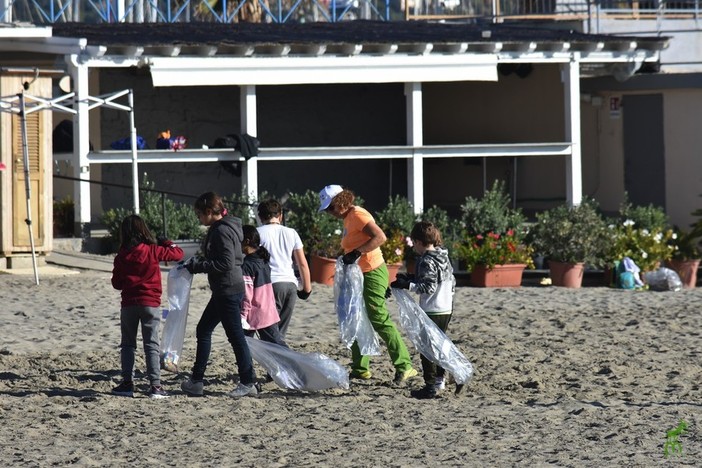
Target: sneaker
x=243 y=390
x=192 y=388
x=401 y=376
x=365 y=375
x=424 y=393
x=440 y=384
x=124 y=389
x=157 y=392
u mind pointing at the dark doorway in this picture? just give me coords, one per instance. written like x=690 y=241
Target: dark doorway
x=644 y=150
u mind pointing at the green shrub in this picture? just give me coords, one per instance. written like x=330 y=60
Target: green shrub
x=181 y=222
x=492 y=213
x=320 y=232
x=572 y=234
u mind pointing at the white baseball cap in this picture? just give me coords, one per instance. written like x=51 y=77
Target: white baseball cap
x=327 y=194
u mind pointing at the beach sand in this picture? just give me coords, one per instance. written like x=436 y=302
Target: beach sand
x=563 y=377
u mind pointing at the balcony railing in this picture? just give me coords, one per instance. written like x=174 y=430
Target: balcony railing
x=281 y=11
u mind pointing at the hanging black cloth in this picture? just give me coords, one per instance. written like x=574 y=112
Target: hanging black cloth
x=246 y=144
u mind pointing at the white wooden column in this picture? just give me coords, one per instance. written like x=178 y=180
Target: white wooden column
x=415 y=137
x=81 y=141
x=571 y=87
x=247 y=104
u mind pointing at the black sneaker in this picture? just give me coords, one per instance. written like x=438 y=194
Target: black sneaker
x=124 y=389
x=157 y=392
x=424 y=393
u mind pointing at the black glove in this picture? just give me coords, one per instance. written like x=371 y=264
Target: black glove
x=302 y=294
x=351 y=257
x=162 y=241
x=400 y=283
x=405 y=276
x=188 y=265
x=388 y=293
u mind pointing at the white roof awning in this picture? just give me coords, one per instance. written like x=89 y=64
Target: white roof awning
x=285 y=70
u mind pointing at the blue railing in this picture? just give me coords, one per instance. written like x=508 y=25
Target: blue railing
x=281 y=11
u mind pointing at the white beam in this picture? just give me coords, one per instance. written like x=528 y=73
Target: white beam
x=81 y=140
x=247 y=97
x=218 y=71
x=571 y=90
x=415 y=138
x=329 y=153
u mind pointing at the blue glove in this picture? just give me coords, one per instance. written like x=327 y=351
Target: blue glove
x=351 y=257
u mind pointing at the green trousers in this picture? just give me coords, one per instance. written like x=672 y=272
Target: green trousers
x=375 y=282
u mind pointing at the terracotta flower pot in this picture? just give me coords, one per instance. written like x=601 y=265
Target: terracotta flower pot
x=393 y=269
x=322 y=269
x=499 y=276
x=569 y=275
x=686 y=270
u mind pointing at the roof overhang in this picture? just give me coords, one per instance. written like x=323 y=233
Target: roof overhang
x=214 y=71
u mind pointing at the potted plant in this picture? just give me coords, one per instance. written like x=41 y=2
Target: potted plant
x=570 y=237
x=643 y=234
x=396 y=220
x=320 y=234
x=685 y=259
x=496 y=259
x=491 y=245
x=687 y=252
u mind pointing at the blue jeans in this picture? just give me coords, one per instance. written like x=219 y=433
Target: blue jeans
x=225 y=309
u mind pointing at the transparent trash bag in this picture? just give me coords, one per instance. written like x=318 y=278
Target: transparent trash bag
x=430 y=340
x=663 y=279
x=179 y=282
x=354 y=324
x=298 y=371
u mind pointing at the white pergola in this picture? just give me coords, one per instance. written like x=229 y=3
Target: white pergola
x=248 y=66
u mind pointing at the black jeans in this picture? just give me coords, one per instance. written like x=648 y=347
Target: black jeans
x=432 y=371
x=270 y=334
x=225 y=309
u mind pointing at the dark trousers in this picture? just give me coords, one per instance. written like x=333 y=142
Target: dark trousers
x=270 y=334
x=432 y=371
x=227 y=310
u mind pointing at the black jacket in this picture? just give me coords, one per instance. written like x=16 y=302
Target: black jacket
x=222 y=257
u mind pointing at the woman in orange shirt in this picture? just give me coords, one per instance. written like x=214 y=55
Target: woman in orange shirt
x=361 y=242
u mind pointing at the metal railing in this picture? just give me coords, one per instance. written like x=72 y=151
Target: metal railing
x=281 y=11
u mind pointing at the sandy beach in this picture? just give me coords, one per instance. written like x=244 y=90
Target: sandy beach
x=563 y=377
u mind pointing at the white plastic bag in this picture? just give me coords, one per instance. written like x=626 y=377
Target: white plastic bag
x=430 y=340
x=179 y=282
x=354 y=324
x=298 y=371
x=663 y=279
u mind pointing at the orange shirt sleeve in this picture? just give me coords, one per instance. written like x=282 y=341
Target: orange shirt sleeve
x=354 y=237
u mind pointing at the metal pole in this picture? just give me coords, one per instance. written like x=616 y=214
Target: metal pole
x=135 y=167
x=27 y=187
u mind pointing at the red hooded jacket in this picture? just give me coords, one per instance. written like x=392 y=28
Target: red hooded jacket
x=137 y=272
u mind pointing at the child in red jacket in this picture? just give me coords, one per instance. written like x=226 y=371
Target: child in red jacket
x=138 y=275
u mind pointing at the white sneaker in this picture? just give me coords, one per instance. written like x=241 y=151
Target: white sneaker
x=243 y=390
x=192 y=388
x=440 y=383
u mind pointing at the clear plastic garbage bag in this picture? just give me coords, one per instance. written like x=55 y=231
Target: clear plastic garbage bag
x=663 y=279
x=354 y=324
x=430 y=340
x=298 y=371
x=179 y=282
